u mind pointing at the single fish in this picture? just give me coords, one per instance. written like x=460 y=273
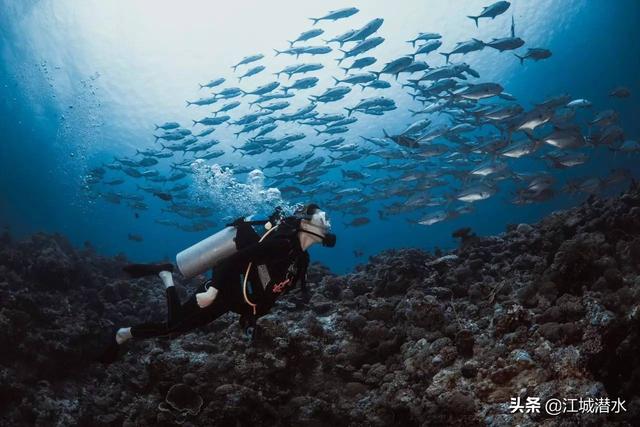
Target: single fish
x=360 y=63
x=579 y=103
x=211 y=121
x=433 y=218
x=334 y=15
x=505 y=43
x=463 y=48
x=427 y=48
x=213 y=83
x=230 y=92
x=304 y=83
x=202 y=101
x=226 y=107
x=262 y=90
x=333 y=130
x=535 y=53
x=474 y=194
x=368 y=29
x=168 y=126
x=479 y=91
x=247 y=60
x=342 y=38
x=394 y=67
x=307 y=35
x=357 y=78
x=491 y=11
x=377 y=84
x=362 y=47
x=620 y=92
x=358 y=222
x=424 y=37
x=252 y=72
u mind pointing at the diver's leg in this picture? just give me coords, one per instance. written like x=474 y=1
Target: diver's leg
x=191 y=317
x=174 y=310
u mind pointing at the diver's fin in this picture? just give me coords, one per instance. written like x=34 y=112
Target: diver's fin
x=142 y=270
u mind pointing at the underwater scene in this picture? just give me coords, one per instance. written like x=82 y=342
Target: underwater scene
x=319 y=213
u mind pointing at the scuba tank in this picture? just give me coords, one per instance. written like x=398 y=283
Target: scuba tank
x=207 y=253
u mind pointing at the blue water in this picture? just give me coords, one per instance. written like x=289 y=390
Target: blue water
x=83 y=82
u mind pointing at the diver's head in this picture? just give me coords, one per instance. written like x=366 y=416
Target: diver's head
x=314 y=227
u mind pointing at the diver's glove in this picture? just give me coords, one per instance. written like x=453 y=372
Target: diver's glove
x=204 y=299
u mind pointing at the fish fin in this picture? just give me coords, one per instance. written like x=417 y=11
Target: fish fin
x=336 y=80
x=278 y=52
x=290 y=43
x=156 y=137
x=235 y=67
x=378 y=73
x=413 y=43
x=243 y=92
x=446 y=55
x=188 y=103
x=475 y=18
x=386 y=135
x=194 y=123
x=318 y=132
x=521 y=58
x=239 y=79
x=157 y=127
x=350 y=110
x=362 y=86
x=315 y=20
x=201 y=86
x=346 y=70
x=163 y=146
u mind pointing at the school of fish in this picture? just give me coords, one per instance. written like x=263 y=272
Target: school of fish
x=465 y=138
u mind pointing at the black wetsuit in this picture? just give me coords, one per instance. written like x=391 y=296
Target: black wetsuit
x=286 y=264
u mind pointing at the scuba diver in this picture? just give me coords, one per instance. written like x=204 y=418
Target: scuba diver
x=271 y=266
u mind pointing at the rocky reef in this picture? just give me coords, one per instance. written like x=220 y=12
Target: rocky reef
x=550 y=310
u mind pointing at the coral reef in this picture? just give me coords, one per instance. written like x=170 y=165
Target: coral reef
x=550 y=310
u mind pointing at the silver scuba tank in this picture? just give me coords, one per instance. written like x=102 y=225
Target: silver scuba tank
x=207 y=253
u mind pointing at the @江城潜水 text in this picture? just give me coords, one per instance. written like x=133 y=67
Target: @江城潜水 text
x=556 y=406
